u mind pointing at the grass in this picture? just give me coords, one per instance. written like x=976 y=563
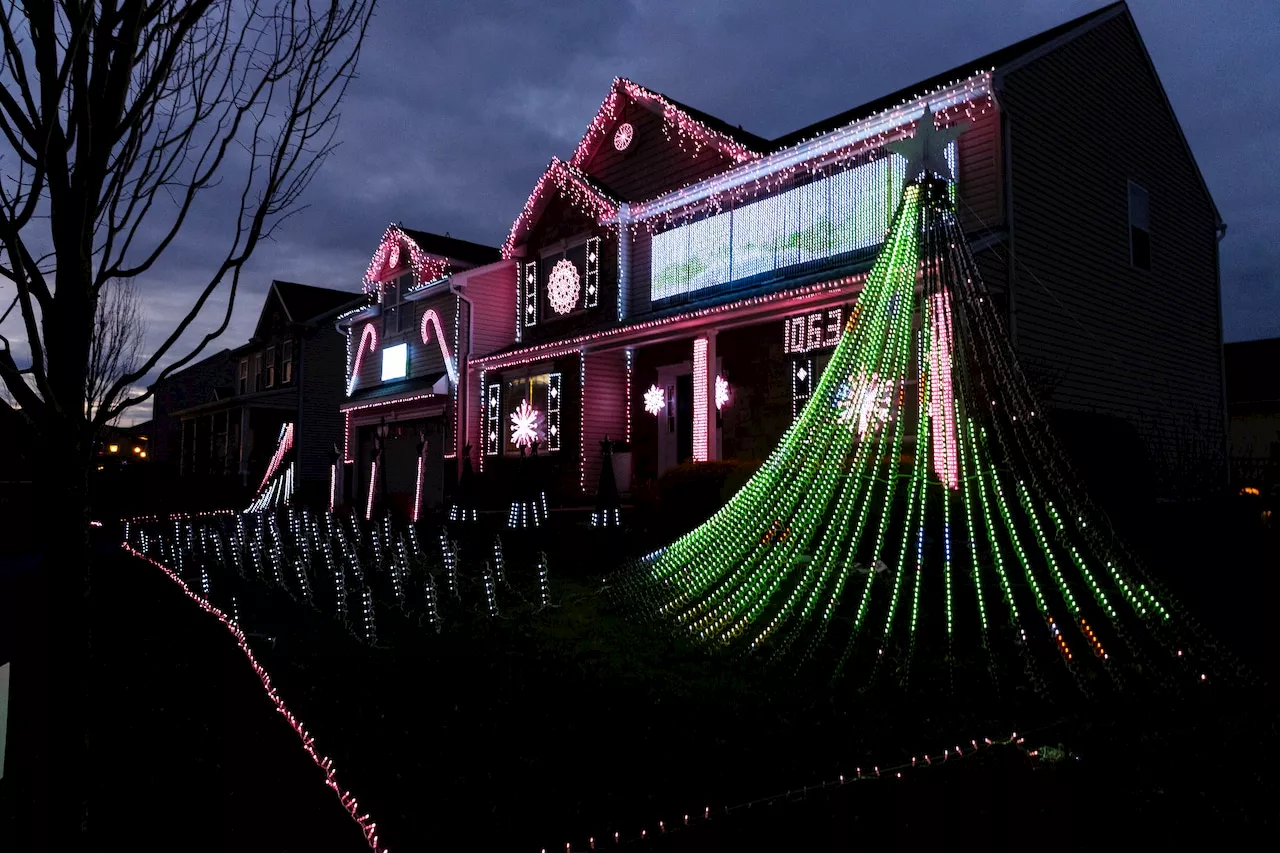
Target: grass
x=542 y=726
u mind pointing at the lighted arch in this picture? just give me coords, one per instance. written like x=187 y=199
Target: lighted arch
x=432 y=318
x=368 y=335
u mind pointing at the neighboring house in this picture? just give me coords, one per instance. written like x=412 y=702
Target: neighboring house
x=681 y=282
x=289 y=372
x=433 y=301
x=1253 y=405
x=190 y=386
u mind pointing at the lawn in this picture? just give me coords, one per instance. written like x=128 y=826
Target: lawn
x=542 y=726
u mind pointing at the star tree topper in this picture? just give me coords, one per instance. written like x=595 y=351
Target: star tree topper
x=927 y=150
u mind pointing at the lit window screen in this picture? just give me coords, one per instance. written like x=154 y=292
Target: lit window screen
x=845 y=212
x=536 y=389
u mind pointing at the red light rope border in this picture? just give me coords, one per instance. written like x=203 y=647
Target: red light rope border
x=368 y=828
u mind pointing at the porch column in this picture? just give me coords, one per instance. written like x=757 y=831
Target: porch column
x=705 y=446
x=244 y=446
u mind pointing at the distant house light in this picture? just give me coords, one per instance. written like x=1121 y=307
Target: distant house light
x=143 y=454
x=113 y=448
x=137 y=449
x=395 y=362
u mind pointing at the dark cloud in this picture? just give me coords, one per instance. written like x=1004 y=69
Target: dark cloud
x=459 y=106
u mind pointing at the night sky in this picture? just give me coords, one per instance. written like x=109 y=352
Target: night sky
x=459 y=107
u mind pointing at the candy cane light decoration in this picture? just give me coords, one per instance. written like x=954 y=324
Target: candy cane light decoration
x=369 y=335
x=429 y=319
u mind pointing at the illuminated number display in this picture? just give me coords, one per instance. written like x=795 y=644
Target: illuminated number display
x=813 y=331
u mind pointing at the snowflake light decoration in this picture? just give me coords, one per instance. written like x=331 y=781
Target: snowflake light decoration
x=563 y=286
x=864 y=403
x=654 y=400
x=623 y=135
x=722 y=392
x=524 y=425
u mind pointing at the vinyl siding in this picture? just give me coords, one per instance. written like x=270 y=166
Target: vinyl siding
x=321 y=362
x=605 y=412
x=653 y=164
x=1145 y=346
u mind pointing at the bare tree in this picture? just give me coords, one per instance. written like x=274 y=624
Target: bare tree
x=119 y=332
x=118 y=120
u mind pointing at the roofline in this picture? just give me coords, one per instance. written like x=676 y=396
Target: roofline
x=828 y=144
x=560 y=172
x=1177 y=125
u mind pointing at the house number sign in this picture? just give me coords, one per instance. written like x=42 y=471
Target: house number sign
x=812 y=331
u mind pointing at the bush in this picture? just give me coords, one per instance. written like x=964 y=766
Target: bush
x=691 y=492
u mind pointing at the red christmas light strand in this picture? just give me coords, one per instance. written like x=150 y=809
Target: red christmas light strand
x=368 y=828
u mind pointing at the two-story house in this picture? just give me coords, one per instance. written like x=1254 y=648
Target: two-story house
x=290 y=371
x=432 y=301
x=680 y=283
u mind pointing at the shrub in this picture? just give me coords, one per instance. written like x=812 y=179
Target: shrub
x=690 y=493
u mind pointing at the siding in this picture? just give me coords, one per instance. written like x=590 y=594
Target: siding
x=321 y=362
x=1144 y=346
x=493 y=293
x=605 y=411
x=980 y=175
x=653 y=164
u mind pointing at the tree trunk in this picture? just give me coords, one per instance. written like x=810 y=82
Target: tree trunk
x=52 y=709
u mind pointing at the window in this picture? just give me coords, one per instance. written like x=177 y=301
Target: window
x=271 y=367
x=286 y=362
x=1139 y=227
x=393 y=307
x=541 y=391
x=243 y=383
x=571 y=296
x=257 y=371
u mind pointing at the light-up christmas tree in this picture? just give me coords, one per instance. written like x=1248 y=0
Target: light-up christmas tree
x=920 y=501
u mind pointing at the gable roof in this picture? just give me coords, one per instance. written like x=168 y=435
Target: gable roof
x=706 y=130
x=305 y=302
x=431 y=256
x=453 y=248
x=571 y=183
x=991 y=61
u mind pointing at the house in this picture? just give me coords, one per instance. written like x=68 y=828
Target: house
x=1253 y=406
x=681 y=282
x=194 y=384
x=232 y=411
x=432 y=302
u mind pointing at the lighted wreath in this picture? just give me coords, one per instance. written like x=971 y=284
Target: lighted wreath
x=563 y=287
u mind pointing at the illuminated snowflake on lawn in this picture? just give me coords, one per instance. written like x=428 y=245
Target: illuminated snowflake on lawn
x=654 y=400
x=563 y=286
x=524 y=425
x=864 y=403
x=722 y=392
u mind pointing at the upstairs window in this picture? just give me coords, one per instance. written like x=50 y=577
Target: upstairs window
x=257 y=371
x=242 y=384
x=394 y=308
x=1139 y=227
x=271 y=367
x=286 y=362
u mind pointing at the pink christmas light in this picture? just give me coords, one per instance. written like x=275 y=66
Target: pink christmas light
x=674 y=120
x=572 y=185
x=368 y=828
x=386 y=260
x=333 y=485
x=429 y=319
x=369 y=341
x=942 y=408
x=700 y=399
